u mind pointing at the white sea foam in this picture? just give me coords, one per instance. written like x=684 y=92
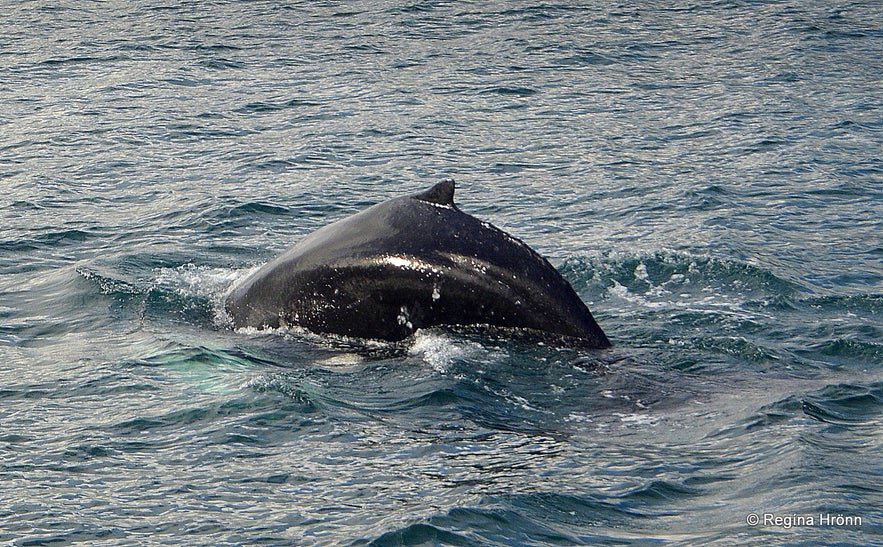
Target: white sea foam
x=440 y=351
x=212 y=284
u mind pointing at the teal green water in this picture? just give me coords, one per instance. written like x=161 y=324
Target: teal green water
x=707 y=176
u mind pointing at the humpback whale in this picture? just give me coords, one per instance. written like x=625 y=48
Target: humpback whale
x=411 y=262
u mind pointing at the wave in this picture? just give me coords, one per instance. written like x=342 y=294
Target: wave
x=852 y=405
x=660 y=273
x=696 y=313
x=533 y=519
x=189 y=293
x=261 y=107
x=697 y=310
x=846 y=404
x=442 y=377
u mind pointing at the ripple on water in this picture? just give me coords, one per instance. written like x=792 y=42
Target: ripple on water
x=707 y=176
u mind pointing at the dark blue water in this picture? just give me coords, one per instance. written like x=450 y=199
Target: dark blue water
x=708 y=176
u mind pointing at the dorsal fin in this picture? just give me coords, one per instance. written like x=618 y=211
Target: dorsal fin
x=440 y=194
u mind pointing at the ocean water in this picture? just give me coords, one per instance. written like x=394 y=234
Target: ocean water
x=707 y=175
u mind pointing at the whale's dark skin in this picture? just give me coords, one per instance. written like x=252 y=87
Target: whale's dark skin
x=411 y=262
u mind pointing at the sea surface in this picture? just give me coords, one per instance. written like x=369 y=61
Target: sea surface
x=707 y=175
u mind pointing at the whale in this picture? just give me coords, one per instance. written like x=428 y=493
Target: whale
x=413 y=262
